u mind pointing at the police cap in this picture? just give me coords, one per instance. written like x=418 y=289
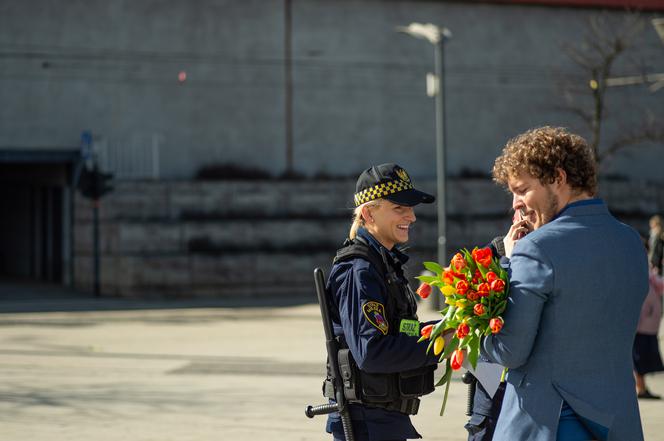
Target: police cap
x=391 y=182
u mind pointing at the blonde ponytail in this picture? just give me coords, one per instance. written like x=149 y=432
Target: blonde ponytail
x=358 y=221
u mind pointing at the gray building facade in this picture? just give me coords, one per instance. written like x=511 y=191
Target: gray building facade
x=311 y=87
x=314 y=85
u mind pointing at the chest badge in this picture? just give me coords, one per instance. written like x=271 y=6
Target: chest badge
x=375 y=314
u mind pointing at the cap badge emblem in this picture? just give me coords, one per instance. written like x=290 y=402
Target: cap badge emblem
x=402 y=175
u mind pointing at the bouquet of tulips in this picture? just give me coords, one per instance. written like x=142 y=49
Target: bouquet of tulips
x=475 y=288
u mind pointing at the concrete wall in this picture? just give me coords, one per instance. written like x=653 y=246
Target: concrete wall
x=211 y=239
x=358 y=89
x=112 y=67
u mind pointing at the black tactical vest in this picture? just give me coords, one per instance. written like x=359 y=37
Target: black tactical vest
x=397 y=391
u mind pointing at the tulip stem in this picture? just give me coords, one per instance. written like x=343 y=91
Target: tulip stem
x=448 y=369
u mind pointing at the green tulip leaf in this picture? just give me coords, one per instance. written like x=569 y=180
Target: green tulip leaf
x=447 y=386
x=446 y=376
x=473 y=351
x=450 y=347
x=429 y=347
x=433 y=267
x=427 y=279
x=499 y=308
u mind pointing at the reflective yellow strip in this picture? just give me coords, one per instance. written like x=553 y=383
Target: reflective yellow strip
x=381 y=190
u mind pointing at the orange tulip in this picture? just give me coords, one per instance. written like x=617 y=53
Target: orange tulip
x=448 y=277
x=496 y=324
x=478 y=309
x=426 y=331
x=458 y=262
x=462 y=287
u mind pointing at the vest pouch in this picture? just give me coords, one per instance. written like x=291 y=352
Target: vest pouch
x=379 y=388
x=363 y=386
x=416 y=382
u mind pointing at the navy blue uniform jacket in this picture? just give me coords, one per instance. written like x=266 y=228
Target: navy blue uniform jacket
x=352 y=284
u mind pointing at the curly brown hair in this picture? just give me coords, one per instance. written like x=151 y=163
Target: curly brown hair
x=541 y=151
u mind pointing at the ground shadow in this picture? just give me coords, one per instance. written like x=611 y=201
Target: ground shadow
x=25 y=297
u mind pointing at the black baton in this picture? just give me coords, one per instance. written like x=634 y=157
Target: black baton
x=471 y=381
x=332 y=347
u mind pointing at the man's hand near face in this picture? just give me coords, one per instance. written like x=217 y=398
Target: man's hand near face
x=520 y=227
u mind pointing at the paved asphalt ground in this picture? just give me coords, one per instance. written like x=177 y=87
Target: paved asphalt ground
x=80 y=370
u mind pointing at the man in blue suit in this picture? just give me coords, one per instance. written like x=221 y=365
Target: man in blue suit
x=578 y=278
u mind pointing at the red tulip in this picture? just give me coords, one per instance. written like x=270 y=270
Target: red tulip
x=426 y=331
x=479 y=309
x=491 y=276
x=457 y=359
x=424 y=290
x=496 y=324
x=482 y=256
x=498 y=285
x=472 y=296
x=462 y=330
x=483 y=289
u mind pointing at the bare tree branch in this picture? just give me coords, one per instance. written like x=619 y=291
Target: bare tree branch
x=606 y=41
x=577 y=56
x=581 y=113
x=651 y=132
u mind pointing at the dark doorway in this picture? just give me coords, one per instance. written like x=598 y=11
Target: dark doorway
x=35 y=216
x=31 y=227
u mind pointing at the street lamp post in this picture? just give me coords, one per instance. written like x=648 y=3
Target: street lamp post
x=436 y=87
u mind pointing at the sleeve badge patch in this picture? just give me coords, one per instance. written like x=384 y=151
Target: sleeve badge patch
x=375 y=314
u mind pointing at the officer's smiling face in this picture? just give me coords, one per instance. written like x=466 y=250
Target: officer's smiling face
x=389 y=223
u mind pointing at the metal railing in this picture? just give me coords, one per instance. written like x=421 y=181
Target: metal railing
x=134 y=158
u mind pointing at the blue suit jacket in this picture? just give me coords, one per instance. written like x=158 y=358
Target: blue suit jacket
x=576 y=289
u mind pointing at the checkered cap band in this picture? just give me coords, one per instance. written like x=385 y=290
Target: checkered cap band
x=381 y=190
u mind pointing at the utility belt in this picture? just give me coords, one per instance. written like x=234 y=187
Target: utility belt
x=397 y=391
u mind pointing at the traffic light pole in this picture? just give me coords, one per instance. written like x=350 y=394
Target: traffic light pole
x=93 y=184
x=95 y=245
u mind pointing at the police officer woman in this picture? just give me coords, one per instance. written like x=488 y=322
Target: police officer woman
x=374 y=311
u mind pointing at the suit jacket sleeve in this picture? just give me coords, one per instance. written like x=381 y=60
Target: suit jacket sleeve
x=531 y=285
